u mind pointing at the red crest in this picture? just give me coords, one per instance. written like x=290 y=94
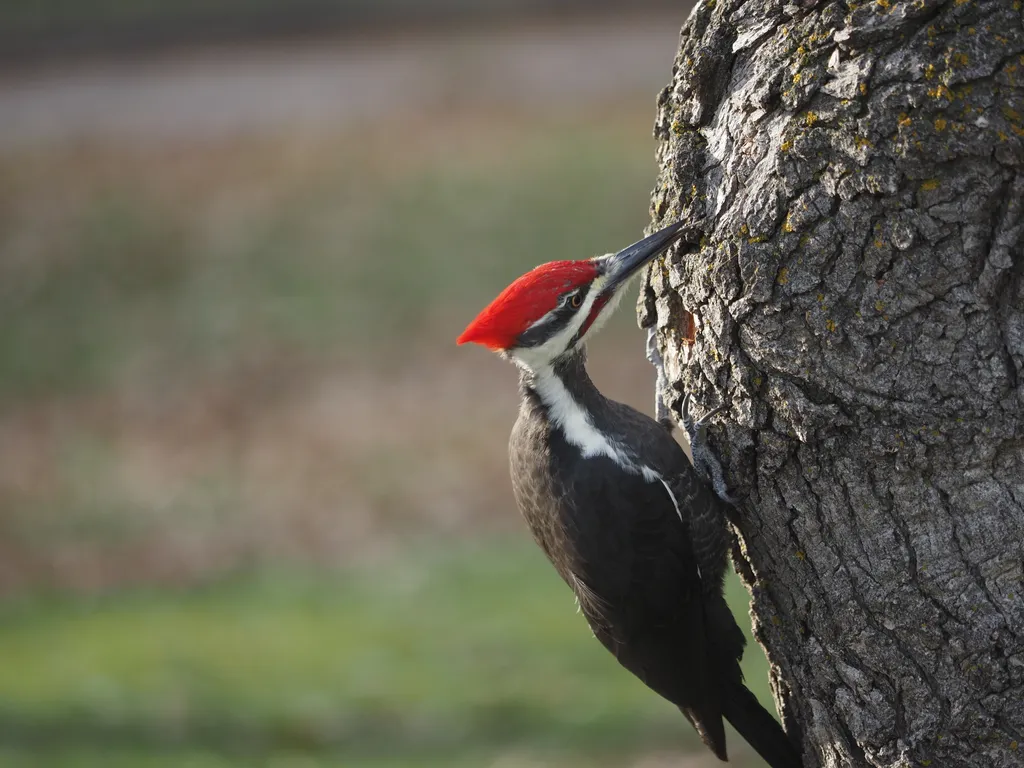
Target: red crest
x=524 y=302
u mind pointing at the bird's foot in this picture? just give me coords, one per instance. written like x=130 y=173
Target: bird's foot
x=661 y=411
x=704 y=460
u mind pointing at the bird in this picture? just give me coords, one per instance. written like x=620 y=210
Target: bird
x=614 y=503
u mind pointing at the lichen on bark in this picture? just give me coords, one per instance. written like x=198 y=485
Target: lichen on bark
x=858 y=170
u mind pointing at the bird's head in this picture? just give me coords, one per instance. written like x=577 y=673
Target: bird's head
x=550 y=310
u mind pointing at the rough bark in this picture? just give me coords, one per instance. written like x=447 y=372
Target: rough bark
x=859 y=298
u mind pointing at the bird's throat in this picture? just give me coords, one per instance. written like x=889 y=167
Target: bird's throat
x=571 y=403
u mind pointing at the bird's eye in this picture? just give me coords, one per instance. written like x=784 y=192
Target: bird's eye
x=575 y=301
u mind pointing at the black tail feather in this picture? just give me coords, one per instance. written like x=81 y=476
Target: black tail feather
x=710 y=729
x=762 y=731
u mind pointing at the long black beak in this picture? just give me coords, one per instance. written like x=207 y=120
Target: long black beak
x=623 y=265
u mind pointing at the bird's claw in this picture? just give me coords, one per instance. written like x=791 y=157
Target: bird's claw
x=661 y=411
x=693 y=426
x=704 y=459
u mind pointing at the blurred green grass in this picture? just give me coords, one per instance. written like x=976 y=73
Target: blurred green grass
x=353 y=246
x=442 y=656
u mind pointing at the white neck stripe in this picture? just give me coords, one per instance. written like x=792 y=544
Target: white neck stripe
x=569 y=416
x=578 y=427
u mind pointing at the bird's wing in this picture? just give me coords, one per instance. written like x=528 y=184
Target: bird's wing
x=633 y=568
x=704 y=512
x=638 y=584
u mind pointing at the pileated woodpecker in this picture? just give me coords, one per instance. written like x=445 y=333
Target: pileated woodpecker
x=612 y=500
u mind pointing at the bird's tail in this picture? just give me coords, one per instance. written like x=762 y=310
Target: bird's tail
x=762 y=731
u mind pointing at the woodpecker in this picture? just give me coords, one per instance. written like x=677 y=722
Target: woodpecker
x=613 y=502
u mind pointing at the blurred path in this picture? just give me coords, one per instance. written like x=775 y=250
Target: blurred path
x=322 y=84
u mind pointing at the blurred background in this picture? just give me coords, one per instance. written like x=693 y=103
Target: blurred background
x=254 y=502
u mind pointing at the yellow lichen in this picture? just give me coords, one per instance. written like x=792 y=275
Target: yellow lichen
x=940 y=124
x=796 y=78
x=800 y=555
x=863 y=89
x=783 y=276
x=810 y=119
x=961 y=59
x=904 y=120
x=831 y=325
x=786 y=146
x=929 y=71
x=929 y=185
x=860 y=142
x=879 y=306
x=940 y=91
x=678 y=128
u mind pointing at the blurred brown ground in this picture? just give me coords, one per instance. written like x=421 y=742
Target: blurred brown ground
x=329 y=457
x=321 y=86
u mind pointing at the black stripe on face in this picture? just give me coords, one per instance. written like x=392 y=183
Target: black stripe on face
x=560 y=317
x=595 y=310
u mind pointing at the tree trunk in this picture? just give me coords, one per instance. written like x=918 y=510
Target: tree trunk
x=859 y=303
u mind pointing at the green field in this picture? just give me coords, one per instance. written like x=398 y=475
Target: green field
x=170 y=262
x=436 y=658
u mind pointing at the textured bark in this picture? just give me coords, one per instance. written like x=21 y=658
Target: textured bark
x=859 y=297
